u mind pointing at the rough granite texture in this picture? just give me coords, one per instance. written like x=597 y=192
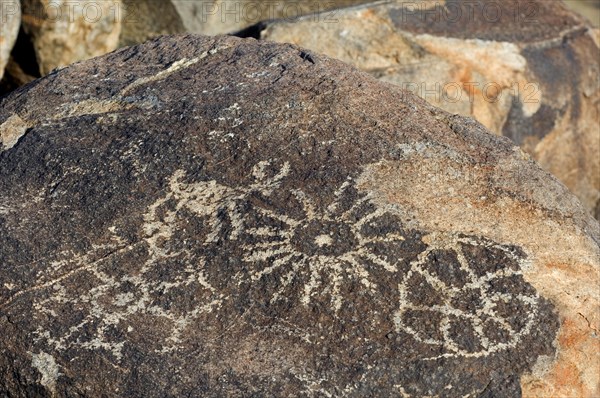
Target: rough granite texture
x=10 y=20
x=215 y=217
x=527 y=69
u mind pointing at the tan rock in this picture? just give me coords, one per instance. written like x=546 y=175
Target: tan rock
x=11 y=130
x=532 y=78
x=63 y=33
x=227 y=16
x=10 y=20
x=590 y=9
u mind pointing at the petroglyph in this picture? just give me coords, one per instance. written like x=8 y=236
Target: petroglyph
x=91 y=107
x=176 y=66
x=327 y=245
x=457 y=296
x=114 y=298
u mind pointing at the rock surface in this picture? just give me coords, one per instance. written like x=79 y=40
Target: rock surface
x=10 y=18
x=66 y=32
x=528 y=70
x=215 y=17
x=216 y=217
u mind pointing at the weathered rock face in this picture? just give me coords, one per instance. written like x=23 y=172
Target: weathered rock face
x=528 y=70
x=223 y=217
x=227 y=16
x=66 y=32
x=10 y=18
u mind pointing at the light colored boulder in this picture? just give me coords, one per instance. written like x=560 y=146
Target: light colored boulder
x=66 y=32
x=146 y=19
x=589 y=9
x=10 y=20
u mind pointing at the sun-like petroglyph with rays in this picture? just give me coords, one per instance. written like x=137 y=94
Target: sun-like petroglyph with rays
x=327 y=245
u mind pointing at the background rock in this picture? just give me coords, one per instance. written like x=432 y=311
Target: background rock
x=228 y=16
x=535 y=79
x=66 y=32
x=22 y=66
x=10 y=18
x=14 y=77
x=145 y=19
x=590 y=9
x=69 y=32
x=204 y=216
x=77 y=38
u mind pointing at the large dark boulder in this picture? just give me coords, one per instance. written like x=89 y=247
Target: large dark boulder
x=216 y=217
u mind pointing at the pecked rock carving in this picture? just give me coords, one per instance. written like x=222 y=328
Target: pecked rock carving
x=457 y=298
x=288 y=245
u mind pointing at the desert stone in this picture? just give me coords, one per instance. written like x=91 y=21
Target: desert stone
x=227 y=16
x=214 y=217
x=589 y=9
x=527 y=69
x=66 y=32
x=10 y=18
x=62 y=33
